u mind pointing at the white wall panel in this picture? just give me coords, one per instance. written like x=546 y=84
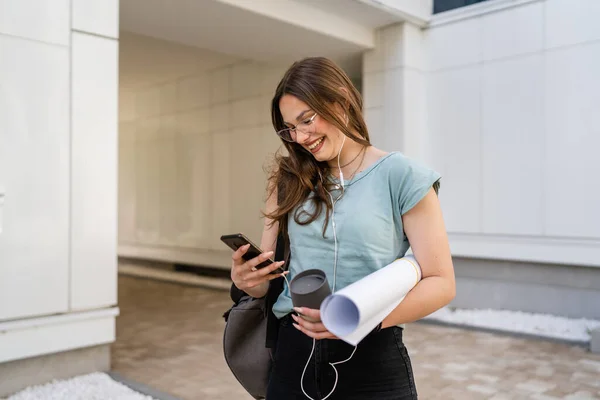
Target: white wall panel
x=94 y=146
x=513 y=146
x=455 y=126
x=193 y=92
x=374 y=120
x=169 y=193
x=373 y=89
x=269 y=78
x=220 y=117
x=264 y=111
x=391 y=138
x=513 y=31
x=271 y=144
x=244 y=82
x=533 y=188
x=34 y=172
x=100 y=17
x=191 y=155
x=415 y=47
x=202 y=161
x=147 y=180
x=455 y=44
x=193 y=122
x=167 y=94
x=127 y=181
x=220 y=189
x=394 y=90
x=392 y=46
x=54 y=334
x=373 y=60
x=573 y=139
x=147 y=102
x=569 y=22
x=401 y=46
x=220 y=85
x=414 y=99
x=127 y=99
x=41 y=20
x=247 y=181
x=245 y=113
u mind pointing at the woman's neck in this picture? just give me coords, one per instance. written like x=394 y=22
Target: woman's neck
x=350 y=156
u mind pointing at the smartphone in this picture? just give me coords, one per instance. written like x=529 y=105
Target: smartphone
x=237 y=240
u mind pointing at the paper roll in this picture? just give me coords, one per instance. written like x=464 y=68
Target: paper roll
x=354 y=311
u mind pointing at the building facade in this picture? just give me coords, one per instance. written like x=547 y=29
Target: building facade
x=141 y=128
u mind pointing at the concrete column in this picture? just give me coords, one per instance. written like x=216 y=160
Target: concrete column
x=58 y=188
x=394 y=91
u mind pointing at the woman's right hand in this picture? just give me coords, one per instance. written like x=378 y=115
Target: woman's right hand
x=246 y=277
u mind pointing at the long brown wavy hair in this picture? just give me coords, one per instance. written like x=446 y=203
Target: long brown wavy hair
x=323 y=86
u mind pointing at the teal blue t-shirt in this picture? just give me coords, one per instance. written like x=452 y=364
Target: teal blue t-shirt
x=368 y=221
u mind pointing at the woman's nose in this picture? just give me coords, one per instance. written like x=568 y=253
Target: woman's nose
x=302 y=137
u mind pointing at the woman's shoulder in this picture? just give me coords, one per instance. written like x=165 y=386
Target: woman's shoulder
x=393 y=161
x=400 y=169
x=400 y=162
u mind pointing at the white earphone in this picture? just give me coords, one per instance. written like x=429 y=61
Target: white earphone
x=335 y=252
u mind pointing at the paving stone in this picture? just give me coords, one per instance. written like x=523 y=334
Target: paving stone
x=536 y=386
x=482 y=389
x=169 y=337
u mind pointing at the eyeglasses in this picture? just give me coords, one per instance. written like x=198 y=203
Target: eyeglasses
x=289 y=134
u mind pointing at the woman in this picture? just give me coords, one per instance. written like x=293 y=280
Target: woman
x=386 y=204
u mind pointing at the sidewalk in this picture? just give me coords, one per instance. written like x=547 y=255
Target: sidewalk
x=169 y=337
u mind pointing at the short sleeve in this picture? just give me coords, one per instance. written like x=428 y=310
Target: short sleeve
x=412 y=181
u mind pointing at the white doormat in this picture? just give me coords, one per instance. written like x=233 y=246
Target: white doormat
x=96 y=386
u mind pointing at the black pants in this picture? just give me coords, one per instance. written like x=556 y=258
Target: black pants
x=379 y=370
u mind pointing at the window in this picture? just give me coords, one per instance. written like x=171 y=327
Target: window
x=446 y=5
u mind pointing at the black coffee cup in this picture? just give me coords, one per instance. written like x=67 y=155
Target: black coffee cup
x=309 y=288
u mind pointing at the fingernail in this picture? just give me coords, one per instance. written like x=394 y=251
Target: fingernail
x=269 y=253
x=285 y=272
x=295 y=318
x=298 y=310
x=296 y=326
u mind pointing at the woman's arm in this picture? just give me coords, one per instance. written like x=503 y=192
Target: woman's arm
x=424 y=227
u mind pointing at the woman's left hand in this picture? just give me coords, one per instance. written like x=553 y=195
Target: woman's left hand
x=314 y=330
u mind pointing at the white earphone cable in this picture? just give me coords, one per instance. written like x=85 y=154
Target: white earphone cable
x=335 y=251
x=332 y=366
x=333 y=203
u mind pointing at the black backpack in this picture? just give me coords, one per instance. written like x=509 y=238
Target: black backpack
x=251 y=331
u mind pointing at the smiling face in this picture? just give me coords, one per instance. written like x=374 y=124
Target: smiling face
x=319 y=137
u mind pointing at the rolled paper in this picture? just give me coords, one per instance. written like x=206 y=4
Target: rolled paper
x=357 y=309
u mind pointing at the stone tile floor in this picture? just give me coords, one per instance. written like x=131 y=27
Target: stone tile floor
x=169 y=337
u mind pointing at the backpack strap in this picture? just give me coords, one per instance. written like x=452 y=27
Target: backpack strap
x=282 y=252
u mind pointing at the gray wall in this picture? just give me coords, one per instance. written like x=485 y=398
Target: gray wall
x=19 y=374
x=569 y=291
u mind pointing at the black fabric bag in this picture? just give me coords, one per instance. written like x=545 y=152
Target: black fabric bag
x=251 y=331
